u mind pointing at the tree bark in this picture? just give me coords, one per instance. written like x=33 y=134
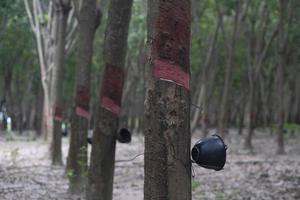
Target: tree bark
x=167 y=106
x=101 y=171
x=89 y=19
x=296 y=104
x=283 y=26
x=61 y=15
x=249 y=113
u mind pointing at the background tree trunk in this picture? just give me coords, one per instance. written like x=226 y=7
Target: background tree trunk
x=167 y=106
x=101 y=171
x=46 y=32
x=258 y=46
x=285 y=12
x=89 y=19
x=203 y=93
x=296 y=104
x=230 y=48
x=61 y=15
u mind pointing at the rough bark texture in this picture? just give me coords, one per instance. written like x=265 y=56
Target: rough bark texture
x=284 y=23
x=101 y=171
x=167 y=105
x=62 y=10
x=89 y=19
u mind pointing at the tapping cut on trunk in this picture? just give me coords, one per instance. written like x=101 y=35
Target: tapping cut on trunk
x=82 y=100
x=112 y=88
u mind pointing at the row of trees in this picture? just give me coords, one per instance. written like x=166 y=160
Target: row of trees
x=251 y=44
x=54 y=37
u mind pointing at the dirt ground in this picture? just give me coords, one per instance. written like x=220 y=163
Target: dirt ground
x=26 y=173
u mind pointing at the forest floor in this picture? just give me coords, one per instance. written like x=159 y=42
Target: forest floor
x=26 y=173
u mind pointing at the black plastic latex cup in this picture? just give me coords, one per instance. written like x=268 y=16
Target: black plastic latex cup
x=89 y=140
x=210 y=152
x=124 y=135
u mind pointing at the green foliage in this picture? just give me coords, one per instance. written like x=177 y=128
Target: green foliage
x=195 y=185
x=17 y=53
x=220 y=196
x=289 y=129
x=292 y=127
x=200 y=195
x=203 y=24
x=14 y=152
x=70 y=173
x=82 y=161
x=137 y=28
x=233 y=195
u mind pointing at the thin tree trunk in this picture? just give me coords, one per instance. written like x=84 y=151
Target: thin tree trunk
x=241 y=112
x=284 y=26
x=46 y=123
x=101 y=171
x=258 y=44
x=198 y=113
x=61 y=14
x=202 y=99
x=167 y=105
x=89 y=19
x=223 y=116
x=296 y=104
x=45 y=32
x=249 y=113
x=204 y=118
x=264 y=98
x=285 y=16
x=280 y=108
x=39 y=111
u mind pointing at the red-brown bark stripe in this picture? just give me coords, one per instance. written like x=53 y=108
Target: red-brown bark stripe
x=171 y=72
x=82 y=100
x=82 y=112
x=58 y=113
x=253 y=115
x=171 y=42
x=112 y=88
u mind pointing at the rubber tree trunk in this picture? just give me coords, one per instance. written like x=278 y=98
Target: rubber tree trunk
x=249 y=116
x=279 y=114
x=280 y=109
x=231 y=45
x=89 y=20
x=296 y=104
x=255 y=62
x=62 y=10
x=167 y=105
x=101 y=171
x=285 y=13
